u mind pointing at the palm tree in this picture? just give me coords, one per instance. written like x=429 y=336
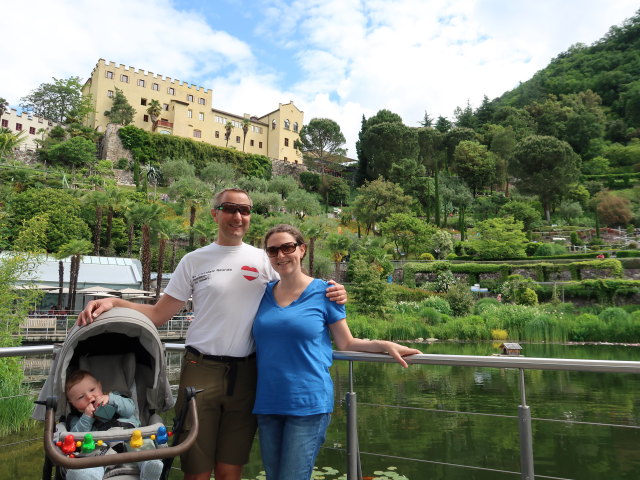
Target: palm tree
x=339 y=246
x=147 y=215
x=228 y=127
x=74 y=249
x=174 y=228
x=163 y=230
x=98 y=200
x=115 y=199
x=4 y=106
x=154 y=176
x=60 y=256
x=245 y=130
x=205 y=230
x=131 y=219
x=313 y=229
x=10 y=140
x=193 y=193
x=154 y=111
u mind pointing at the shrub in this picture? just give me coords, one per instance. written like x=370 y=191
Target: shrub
x=527 y=297
x=499 y=334
x=438 y=303
x=444 y=281
x=401 y=293
x=371 y=293
x=460 y=299
x=614 y=314
x=549 y=249
x=481 y=305
x=587 y=328
x=431 y=316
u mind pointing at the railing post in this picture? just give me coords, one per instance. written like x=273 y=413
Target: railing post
x=354 y=469
x=526 y=435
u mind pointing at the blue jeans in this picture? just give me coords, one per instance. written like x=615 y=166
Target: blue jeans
x=290 y=444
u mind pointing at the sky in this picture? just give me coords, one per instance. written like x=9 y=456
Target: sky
x=337 y=59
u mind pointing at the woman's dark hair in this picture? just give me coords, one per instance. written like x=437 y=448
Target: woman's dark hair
x=286 y=228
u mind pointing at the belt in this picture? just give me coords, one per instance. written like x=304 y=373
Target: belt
x=231 y=361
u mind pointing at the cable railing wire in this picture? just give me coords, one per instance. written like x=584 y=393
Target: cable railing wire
x=499 y=415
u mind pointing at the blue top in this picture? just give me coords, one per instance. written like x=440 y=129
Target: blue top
x=293 y=346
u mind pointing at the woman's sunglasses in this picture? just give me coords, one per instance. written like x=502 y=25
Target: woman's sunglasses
x=228 y=207
x=285 y=248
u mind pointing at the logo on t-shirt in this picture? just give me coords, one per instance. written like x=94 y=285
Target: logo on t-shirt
x=250 y=273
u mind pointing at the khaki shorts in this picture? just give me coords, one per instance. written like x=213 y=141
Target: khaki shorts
x=226 y=424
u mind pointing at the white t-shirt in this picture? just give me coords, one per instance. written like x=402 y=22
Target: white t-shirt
x=226 y=285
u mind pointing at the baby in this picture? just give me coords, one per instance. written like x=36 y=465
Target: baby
x=85 y=394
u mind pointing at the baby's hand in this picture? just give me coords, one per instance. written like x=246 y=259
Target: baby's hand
x=103 y=400
x=89 y=410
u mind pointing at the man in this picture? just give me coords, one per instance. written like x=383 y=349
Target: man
x=226 y=281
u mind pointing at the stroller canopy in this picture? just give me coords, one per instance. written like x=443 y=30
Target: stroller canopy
x=116 y=334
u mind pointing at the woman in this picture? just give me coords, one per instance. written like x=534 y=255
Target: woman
x=293 y=330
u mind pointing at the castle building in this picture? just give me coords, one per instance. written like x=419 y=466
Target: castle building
x=35 y=127
x=187 y=111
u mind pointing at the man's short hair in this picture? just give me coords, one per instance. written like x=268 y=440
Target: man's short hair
x=218 y=196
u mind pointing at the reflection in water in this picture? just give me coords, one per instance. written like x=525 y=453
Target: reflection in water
x=401 y=415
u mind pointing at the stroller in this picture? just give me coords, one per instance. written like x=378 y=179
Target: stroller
x=123 y=350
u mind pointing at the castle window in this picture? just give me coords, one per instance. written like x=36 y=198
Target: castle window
x=155 y=86
x=237 y=138
x=143 y=101
x=287 y=123
x=202 y=101
x=124 y=78
x=171 y=91
x=295 y=126
x=217 y=135
x=189 y=113
x=286 y=142
x=18 y=127
x=140 y=82
x=32 y=130
x=110 y=93
x=108 y=74
x=259 y=144
x=197 y=133
x=251 y=143
x=165 y=106
x=273 y=125
x=189 y=98
x=5 y=123
x=145 y=118
x=201 y=116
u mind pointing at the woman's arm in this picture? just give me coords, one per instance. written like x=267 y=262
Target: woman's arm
x=345 y=341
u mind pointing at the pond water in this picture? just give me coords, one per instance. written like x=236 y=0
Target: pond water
x=417 y=420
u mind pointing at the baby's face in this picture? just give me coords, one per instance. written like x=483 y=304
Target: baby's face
x=86 y=391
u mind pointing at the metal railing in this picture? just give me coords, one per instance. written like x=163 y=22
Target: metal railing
x=354 y=471
x=54 y=328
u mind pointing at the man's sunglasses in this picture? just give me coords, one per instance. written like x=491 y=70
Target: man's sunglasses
x=284 y=248
x=228 y=207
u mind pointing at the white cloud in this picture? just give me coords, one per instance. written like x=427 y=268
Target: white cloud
x=67 y=37
x=335 y=58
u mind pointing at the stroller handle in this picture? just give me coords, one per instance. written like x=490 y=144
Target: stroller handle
x=58 y=458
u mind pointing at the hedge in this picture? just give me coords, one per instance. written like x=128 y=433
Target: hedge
x=151 y=148
x=541 y=269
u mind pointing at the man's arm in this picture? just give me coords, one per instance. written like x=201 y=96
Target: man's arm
x=159 y=314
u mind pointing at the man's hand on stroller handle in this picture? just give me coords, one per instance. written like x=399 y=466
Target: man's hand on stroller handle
x=93 y=309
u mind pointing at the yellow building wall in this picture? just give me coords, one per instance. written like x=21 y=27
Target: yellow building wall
x=188 y=112
x=35 y=127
